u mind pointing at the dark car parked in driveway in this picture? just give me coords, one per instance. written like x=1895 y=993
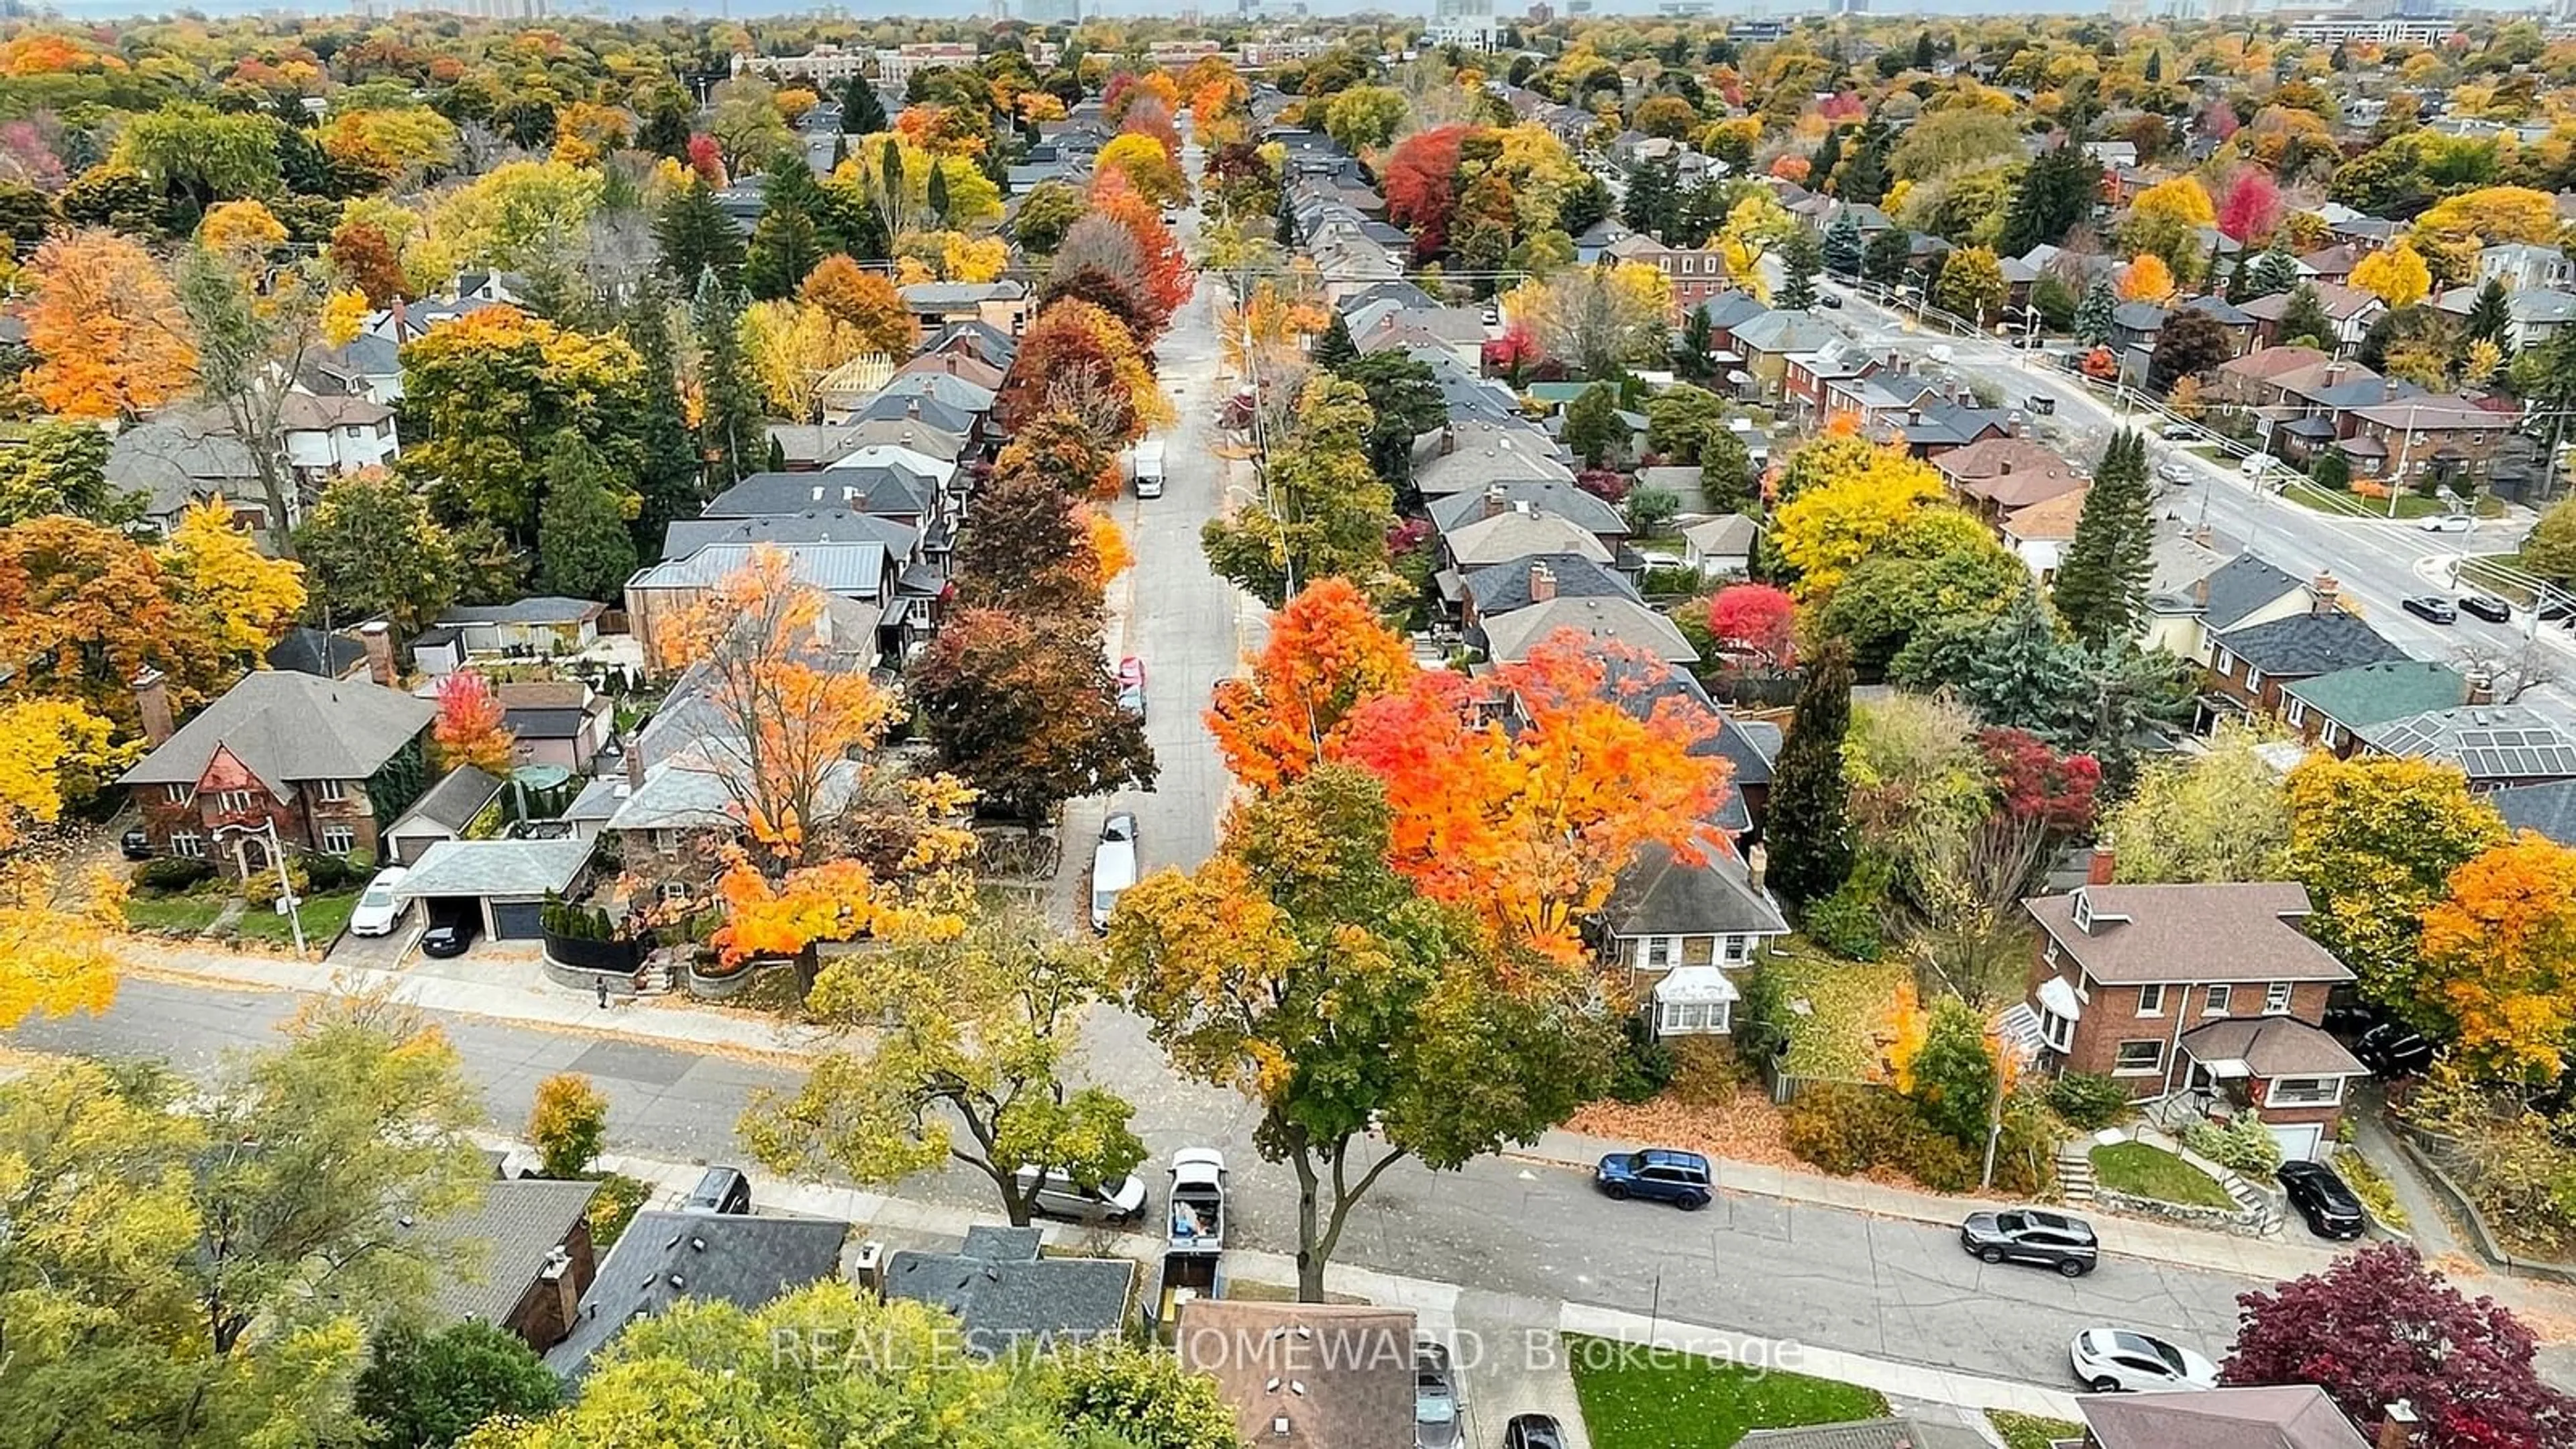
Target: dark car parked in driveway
x=450 y=938
x=1660 y=1174
x=2393 y=1049
x=2329 y=1205
x=135 y=844
x=2033 y=1235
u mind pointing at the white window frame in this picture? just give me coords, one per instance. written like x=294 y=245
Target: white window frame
x=2151 y=999
x=2083 y=913
x=2220 y=1001
x=188 y=844
x=2253 y=680
x=2120 y=1053
x=338 y=840
x=665 y=838
x=332 y=791
x=2276 y=998
x=2050 y=955
x=2298 y=712
x=1735 y=950
x=235 y=802
x=2057 y=1032
x=1658 y=953
x=2331 y=736
x=2325 y=1092
x=673 y=890
x=2221 y=660
x=176 y=794
x=1694 y=1018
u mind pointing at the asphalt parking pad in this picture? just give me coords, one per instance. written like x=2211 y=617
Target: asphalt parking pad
x=630 y=1062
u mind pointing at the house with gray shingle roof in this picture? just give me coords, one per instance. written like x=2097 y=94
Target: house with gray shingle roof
x=1680 y=924
x=524 y=1258
x=441 y=814
x=1890 y=1433
x=1615 y=620
x=499 y=886
x=742 y=1259
x=1004 y=1293
x=2252 y=663
x=322 y=760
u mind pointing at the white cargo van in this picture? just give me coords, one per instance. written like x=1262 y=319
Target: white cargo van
x=1148 y=468
x=1113 y=867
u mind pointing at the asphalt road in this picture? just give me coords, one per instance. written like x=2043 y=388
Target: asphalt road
x=2377 y=563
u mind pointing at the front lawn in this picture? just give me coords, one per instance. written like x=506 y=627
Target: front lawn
x=324 y=916
x=2141 y=1170
x=2410 y=504
x=2029 y=1431
x=1634 y=1397
x=1836 y=1036
x=173 y=915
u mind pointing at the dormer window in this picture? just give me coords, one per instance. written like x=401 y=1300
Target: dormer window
x=2083 y=913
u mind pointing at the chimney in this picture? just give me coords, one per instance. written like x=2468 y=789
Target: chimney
x=2200 y=592
x=560 y=1308
x=1757 y=863
x=2397 y=1426
x=1497 y=501
x=2481 y=688
x=912 y=407
x=2334 y=372
x=2003 y=467
x=1448 y=440
x=2099 y=870
x=1542 y=583
x=378 y=636
x=635 y=762
x=2326 y=588
x=152 y=702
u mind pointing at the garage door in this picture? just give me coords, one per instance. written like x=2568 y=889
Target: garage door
x=2299 y=1141
x=516 y=920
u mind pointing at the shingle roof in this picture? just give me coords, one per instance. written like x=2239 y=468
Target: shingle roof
x=1727 y=533
x=454 y=801
x=2368 y=694
x=2549 y=808
x=1868 y=1434
x=2284 y=1416
x=1005 y=1294
x=2488 y=741
x=2233 y=931
x=664 y=1256
x=496 y=868
x=1514 y=635
x=1517 y=534
x=1501 y=588
x=2310 y=643
x=685 y=536
x=2242 y=585
x=1661 y=894
x=286 y=727
x=2272 y=1046
x=1587 y=511
x=512 y=1228
x=540 y=609
x=1333 y=1375
x=308 y=650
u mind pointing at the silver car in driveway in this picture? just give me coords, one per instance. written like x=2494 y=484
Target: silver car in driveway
x=1439 y=1417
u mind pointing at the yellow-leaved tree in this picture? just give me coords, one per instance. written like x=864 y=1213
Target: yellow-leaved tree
x=56 y=961
x=791 y=346
x=53 y=753
x=1832 y=524
x=2395 y=275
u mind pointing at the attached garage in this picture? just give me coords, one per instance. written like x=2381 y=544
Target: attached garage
x=500 y=884
x=2299 y=1140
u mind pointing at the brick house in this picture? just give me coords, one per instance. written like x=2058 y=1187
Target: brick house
x=2209 y=993
x=2249 y=665
x=2446 y=439
x=327 y=762
x=1680 y=931
x=2004 y=475
x=2332 y=710
x=1696 y=274
x=530 y=1238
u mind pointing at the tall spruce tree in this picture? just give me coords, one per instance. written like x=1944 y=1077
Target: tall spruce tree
x=1864 y=178
x=670 y=473
x=1699 y=337
x=1800 y=255
x=2093 y=314
x=1843 y=245
x=1807 y=828
x=2057 y=190
x=2156 y=66
x=2102 y=583
x=732 y=428
x=583 y=547
x=1829 y=154
x=696 y=236
x=2274 y=273
x=1335 y=350
x=784 y=248
x=862 y=113
x=2490 y=318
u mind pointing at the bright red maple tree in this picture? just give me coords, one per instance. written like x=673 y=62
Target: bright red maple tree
x=2251 y=208
x=1421 y=185
x=2037 y=783
x=1758 y=618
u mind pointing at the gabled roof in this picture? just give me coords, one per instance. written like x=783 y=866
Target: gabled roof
x=1306 y=1375
x=537 y=609
x=1622 y=620
x=2368 y=694
x=2233 y=931
x=1587 y=511
x=286 y=727
x=1503 y=587
x=1781 y=332
x=512 y=1227
x=1662 y=894
x=307 y=650
x=662 y=1257
x=1518 y=533
x=2050 y=519
x=2310 y=643
x=880 y=490
x=1727 y=533
x=1508 y=454
x=2271 y=1046
x=2243 y=585
x=1005 y=1294
x=496 y=868
x=2548 y=807
x=685 y=536
x=454 y=801
x=2283 y=1416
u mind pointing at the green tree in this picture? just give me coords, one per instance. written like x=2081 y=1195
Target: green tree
x=1046 y=214
x=1726 y=472
x=1366 y=118
x=2101 y=585
x=862 y=114
x=1844 y=247
x=2375 y=839
x=2093 y=314
x=429 y=1390
x=1335 y=350
x=2274 y=272
x=1324 y=510
x=2490 y=317
x=1405 y=402
x=2304 y=321
x=1592 y=426
x=784 y=248
x=1681 y=422
x=583 y=547
x=1807 y=831
x=670 y=476
x=1940 y=568
x=2549 y=550
x=696 y=236
x=731 y=428
x=971 y=1032
x=1139 y=1398
x=1800 y=255
x=1299 y=967
x=568 y=1123
x=1885 y=259
x=1952 y=1077
x=1027 y=713
x=2057 y=191
x=370 y=547
x=1971 y=284
x=60 y=468
x=665 y=128
x=2213 y=817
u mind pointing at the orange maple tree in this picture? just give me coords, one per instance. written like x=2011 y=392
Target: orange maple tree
x=1528 y=827
x=1168 y=277
x=105 y=327
x=867 y=301
x=1326 y=655
x=1076 y=344
x=2500 y=957
x=469 y=730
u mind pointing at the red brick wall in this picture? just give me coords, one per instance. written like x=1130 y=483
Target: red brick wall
x=2111 y=1017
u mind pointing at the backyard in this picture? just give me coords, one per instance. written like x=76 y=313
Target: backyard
x=2142 y=1170
x=1639 y=1398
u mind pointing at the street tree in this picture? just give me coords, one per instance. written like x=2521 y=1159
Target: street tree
x=2501 y=951
x=2379 y=1327
x=1808 y=834
x=1404 y=401
x=568 y=1123
x=1972 y=284
x=1300 y=968
x=1800 y=258
x=1026 y=712
x=1889 y=253
x=1325 y=654
x=1324 y=512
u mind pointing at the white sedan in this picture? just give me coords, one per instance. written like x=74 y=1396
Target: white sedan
x=380 y=910
x=2115 y=1360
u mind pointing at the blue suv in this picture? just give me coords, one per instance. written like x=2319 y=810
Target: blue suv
x=1659 y=1174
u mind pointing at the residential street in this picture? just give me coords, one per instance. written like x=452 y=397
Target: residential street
x=2377 y=563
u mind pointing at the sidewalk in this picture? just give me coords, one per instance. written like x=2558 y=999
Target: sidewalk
x=1442 y=1309
x=517 y=992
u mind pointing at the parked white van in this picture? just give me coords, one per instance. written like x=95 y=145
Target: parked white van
x=1113 y=867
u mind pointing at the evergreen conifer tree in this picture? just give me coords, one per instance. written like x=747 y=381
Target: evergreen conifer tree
x=2102 y=582
x=582 y=545
x=731 y=424
x=1884 y=260
x=670 y=473
x=1843 y=245
x=2274 y=273
x=784 y=249
x=2305 y=320
x=862 y=113
x=2093 y=314
x=696 y=236
x=1807 y=829
x=1800 y=255
x=2490 y=319
x=1335 y=350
